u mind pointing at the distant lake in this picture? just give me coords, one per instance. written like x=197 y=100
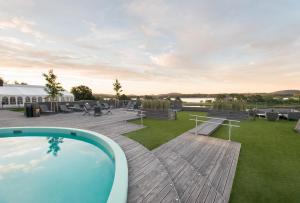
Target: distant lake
x=198 y=99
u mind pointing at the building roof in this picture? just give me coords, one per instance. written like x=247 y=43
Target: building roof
x=26 y=90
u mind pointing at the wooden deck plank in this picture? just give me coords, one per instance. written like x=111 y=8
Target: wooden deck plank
x=202 y=168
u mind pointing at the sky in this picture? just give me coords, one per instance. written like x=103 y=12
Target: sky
x=153 y=46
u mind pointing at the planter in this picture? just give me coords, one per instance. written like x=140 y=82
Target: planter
x=166 y=115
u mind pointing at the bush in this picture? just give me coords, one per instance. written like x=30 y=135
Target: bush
x=229 y=105
x=156 y=105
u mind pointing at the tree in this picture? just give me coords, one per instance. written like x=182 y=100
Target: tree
x=1 y=81
x=82 y=93
x=53 y=88
x=124 y=97
x=117 y=88
x=20 y=83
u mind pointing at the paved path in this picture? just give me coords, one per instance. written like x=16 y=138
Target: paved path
x=148 y=179
x=202 y=168
x=208 y=128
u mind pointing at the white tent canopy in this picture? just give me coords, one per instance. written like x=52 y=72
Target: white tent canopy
x=17 y=95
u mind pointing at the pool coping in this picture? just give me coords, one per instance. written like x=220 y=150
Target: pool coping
x=119 y=187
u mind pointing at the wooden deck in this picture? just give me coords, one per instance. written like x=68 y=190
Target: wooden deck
x=202 y=168
x=189 y=168
x=208 y=128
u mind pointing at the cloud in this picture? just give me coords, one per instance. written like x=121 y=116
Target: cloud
x=22 y=25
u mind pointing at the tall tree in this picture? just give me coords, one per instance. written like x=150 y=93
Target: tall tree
x=53 y=88
x=82 y=93
x=117 y=88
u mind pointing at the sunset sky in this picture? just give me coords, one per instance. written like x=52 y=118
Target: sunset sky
x=153 y=46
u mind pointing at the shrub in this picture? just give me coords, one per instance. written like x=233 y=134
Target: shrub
x=229 y=105
x=156 y=104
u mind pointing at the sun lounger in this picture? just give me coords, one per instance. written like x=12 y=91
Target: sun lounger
x=44 y=109
x=87 y=108
x=63 y=108
x=130 y=106
x=105 y=106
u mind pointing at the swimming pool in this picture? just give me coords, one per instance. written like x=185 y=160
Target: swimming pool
x=60 y=165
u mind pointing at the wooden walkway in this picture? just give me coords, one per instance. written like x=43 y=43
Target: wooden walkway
x=202 y=168
x=209 y=128
x=148 y=179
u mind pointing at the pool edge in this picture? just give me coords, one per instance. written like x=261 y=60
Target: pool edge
x=119 y=187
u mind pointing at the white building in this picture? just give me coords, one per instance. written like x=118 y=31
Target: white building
x=17 y=95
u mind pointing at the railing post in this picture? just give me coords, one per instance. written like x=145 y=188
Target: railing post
x=196 y=129
x=141 y=117
x=230 y=130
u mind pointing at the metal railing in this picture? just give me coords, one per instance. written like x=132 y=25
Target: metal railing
x=142 y=115
x=230 y=125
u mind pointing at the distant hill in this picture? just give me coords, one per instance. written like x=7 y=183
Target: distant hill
x=286 y=92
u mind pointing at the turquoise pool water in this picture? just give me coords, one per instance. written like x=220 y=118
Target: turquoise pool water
x=54 y=169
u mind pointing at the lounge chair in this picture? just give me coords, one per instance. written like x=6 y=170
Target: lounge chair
x=44 y=109
x=63 y=108
x=87 y=108
x=130 y=106
x=105 y=106
x=76 y=107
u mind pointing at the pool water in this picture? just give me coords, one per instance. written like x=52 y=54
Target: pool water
x=53 y=170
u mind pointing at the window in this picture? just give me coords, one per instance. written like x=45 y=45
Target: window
x=4 y=100
x=27 y=99
x=40 y=99
x=20 y=100
x=12 y=100
x=33 y=99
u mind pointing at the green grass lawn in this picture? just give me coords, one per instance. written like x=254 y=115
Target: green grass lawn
x=269 y=163
x=159 y=132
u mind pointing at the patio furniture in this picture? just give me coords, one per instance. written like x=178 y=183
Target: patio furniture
x=76 y=107
x=272 y=116
x=63 y=108
x=87 y=108
x=130 y=106
x=45 y=110
x=293 y=116
x=97 y=111
x=105 y=106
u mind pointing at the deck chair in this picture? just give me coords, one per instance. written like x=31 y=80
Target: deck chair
x=63 y=108
x=44 y=109
x=105 y=106
x=86 y=109
x=76 y=107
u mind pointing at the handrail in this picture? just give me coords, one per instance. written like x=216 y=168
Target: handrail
x=229 y=125
x=215 y=118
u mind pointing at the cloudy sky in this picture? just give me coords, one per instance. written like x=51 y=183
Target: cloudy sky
x=153 y=46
